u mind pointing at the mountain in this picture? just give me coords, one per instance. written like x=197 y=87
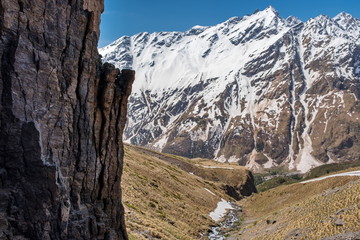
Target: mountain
x=260 y=90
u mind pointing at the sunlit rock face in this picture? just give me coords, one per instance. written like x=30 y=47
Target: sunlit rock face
x=62 y=115
x=260 y=90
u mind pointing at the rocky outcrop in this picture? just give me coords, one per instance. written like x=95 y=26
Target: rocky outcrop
x=239 y=191
x=62 y=115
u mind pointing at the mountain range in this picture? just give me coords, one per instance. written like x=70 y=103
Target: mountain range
x=260 y=90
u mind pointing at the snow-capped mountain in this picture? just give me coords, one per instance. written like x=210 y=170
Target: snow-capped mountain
x=259 y=90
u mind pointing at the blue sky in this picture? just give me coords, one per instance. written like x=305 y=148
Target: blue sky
x=129 y=17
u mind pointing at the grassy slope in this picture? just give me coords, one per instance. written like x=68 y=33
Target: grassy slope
x=280 y=178
x=303 y=211
x=163 y=201
x=328 y=169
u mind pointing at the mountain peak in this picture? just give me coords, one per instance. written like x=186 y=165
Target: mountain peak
x=320 y=19
x=271 y=8
x=292 y=21
x=267 y=12
x=343 y=15
x=348 y=22
x=195 y=30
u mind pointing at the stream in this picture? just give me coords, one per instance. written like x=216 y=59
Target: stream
x=231 y=220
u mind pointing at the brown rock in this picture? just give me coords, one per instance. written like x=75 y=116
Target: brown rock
x=339 y=223
x=61 y=120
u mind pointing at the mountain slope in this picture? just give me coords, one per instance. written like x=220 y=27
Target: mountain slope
x=259 y=90
x=164 y=200
x=314 y=210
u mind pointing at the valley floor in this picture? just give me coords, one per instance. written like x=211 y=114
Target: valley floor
x=171 y=197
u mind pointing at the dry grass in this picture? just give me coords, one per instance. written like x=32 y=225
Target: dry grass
x=304 y=211
x=163 y=201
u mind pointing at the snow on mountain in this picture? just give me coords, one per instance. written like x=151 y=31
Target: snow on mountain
x=259 y=90
x=292 y=21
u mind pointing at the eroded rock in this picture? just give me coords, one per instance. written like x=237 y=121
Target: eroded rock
x=62 y=115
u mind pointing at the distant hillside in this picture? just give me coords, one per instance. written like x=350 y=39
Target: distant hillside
x=170 y=197
x=314 y=210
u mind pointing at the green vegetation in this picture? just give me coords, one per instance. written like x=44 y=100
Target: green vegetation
x=275 y=182
x=276 y=177
x=330 y=168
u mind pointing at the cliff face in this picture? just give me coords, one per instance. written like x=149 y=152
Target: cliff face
x=240 y=190
x=62 y=115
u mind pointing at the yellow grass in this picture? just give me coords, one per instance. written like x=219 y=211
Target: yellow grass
x=163 y=201
x=307 y=211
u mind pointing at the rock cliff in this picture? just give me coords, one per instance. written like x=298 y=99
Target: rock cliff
x=62 y=115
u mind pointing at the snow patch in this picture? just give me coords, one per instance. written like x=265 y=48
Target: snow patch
x=210 y=191
x=216 y=167
x=222 y=207
x=306 y=161
x=233 y=159
x=270 y=163
x=221 y=159
x=252 y=164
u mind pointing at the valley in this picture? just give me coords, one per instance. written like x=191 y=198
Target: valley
x=165 y=199
x=171 y=197
x=247 y=129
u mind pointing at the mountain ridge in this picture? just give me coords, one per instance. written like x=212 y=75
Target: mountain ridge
x=254 y=90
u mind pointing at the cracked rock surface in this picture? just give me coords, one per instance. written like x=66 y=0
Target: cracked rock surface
x=62 y=115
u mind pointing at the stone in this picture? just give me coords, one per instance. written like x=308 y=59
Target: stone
x=62 y=115
x=339 y=223
x=268 y=221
